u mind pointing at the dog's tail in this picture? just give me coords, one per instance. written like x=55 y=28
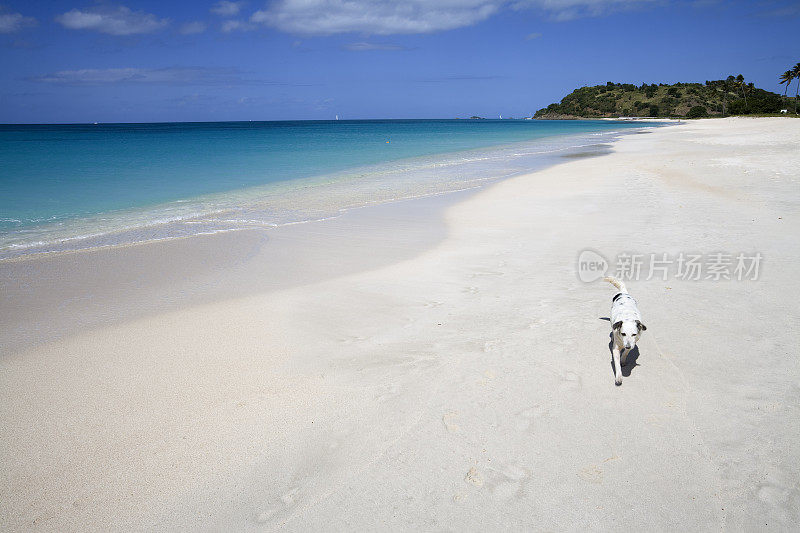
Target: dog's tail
x=615 y=282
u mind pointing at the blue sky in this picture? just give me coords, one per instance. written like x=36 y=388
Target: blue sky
x=146 y=60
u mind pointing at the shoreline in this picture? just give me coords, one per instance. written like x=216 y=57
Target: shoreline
x=300 y=200
x=470 y=379
x=51 y=292
x=130 y=280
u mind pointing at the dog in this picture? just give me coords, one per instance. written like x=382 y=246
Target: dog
x=626 y=325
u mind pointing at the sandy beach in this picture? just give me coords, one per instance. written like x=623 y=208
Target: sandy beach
x=427 y=365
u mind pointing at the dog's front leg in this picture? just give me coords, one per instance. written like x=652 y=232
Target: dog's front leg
x=625 y=357
x=617 y=367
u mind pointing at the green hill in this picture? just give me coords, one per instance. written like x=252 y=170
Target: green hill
x=731 y=96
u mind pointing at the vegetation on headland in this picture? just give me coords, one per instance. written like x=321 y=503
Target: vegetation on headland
x=787 y=77
x=731 y=96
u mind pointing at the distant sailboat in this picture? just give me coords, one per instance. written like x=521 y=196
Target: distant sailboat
x=337 y=117
x=501 y=117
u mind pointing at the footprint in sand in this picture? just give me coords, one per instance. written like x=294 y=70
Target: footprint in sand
x=594 y=473
x=507 y=489
x=264 y=516
x=522 y=424
x=772 y=494
x=470 y=290
x=474 y=477
x=419 y=361
x=287 y=500
x=506 y=482
x=351 y=339
x=570 y=381
x=487 y=378
x=389 y=391
x=288 y=497
x=448 y=419
x=524 y=419
x=480 y=272
x=515 y=472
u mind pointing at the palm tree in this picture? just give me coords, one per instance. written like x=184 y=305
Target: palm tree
x=741 y=84
x=786 y=78
x=727 y=86
x=796 y=72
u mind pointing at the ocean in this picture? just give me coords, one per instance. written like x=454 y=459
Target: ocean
x=67 y=187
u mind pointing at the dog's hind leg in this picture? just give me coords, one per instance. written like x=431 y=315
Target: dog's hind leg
x=625 y=357
x=617 y=367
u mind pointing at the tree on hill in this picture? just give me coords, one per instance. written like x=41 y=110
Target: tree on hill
x=728 y=86
x=796 y=73
x=742 y=86
x=697 y=112
x=786 y=78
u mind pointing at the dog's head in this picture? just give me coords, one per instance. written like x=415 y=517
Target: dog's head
x=628 y=332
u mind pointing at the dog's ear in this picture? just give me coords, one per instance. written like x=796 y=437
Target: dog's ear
x=641 y=326
x=617 y=325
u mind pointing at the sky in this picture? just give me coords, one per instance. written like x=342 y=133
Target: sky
x=191 y=60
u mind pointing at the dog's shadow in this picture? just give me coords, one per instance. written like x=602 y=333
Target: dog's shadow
x=633 y=355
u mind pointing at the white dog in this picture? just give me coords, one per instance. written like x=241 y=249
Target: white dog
x=626 y=325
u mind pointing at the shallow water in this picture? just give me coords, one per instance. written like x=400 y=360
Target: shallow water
x=68 y=187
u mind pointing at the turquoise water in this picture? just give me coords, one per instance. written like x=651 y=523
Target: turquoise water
x=67 y=186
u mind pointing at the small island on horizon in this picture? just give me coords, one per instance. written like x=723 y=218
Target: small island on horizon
x=717 y=98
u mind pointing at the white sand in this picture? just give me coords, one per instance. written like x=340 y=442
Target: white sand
x=468 y=388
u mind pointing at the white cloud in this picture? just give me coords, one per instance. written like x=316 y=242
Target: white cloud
x=562 y=10
x=13 y=22
x=226 y=8
x=532 y=36
x=190 y=28
x=365 y=46
x=386 y=17
x=236 y=25
x=162 y=76
x=113 y=21
x=376 y=17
